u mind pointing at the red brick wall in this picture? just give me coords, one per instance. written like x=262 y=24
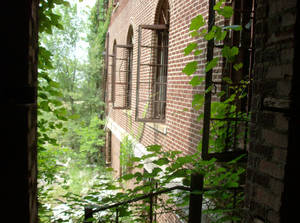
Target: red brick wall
x=182 y=127
x=115 y=155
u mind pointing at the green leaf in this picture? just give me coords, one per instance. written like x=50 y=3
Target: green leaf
x=54 y=84
x=128 y=176
x=230 y=53
x=227 y=11
x=198 y=52
x=194 y=34
x=218 y=5
x=59 y=125
x=155 y=171
x=196 y=80
x=123 y=212
x=44 y=105
x=234 y=51
x=238 y=66
x=211 y=34
x=226 y=52
x=220 y=35
x=221 y=93
x=190 y=68
x=56 y=102
x=198 y=101
x=211 y=64
x=154 y=148
x=190 y=48
x=197 y=22
x=43 y=95
x=74 y=117
x=161 y=161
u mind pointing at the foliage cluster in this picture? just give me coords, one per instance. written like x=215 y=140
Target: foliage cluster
x=222 y=203
x=70 y=129
x=168 y=167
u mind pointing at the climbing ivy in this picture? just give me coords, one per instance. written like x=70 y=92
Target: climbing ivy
x=168 y=167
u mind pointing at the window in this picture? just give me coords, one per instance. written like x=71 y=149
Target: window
x=106 y=67
x=108 y=148
x=225 y=128
x=152 y=67
x=110 y=61
x=129 y=67
x=122 y=71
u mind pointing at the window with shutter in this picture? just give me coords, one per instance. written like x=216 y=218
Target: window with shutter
x=152 y=68
x=110 y=61
x=122 y=76
x=108 y=148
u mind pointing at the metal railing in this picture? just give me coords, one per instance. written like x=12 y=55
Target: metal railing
x=195 y=201
x=194 y=207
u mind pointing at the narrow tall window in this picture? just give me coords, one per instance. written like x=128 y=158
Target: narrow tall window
x=152 y=67
x=122 y=72
x=108 y=148
x=129 y=67
x=110 y=61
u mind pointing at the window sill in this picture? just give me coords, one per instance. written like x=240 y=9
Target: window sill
x=162 y=128
x=159 y=127
x=128 y=112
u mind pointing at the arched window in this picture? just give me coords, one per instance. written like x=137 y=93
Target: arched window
x=152 y=67
x=109 y=70
x=122 y=63
x=129 y=67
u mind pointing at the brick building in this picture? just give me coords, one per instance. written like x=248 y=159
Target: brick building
x=163 y=118
x=273 y=133
x=149 y=98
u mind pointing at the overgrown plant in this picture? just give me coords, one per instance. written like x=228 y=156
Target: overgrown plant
x=126 y=154
x=171 y=167
x=222 y=202
x=69 y=129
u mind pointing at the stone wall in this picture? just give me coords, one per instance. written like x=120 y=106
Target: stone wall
x=19 y=121
x=271 y=111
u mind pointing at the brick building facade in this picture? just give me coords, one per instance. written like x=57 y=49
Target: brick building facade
x=271 y=106
x=179 y=129
x=273 y=135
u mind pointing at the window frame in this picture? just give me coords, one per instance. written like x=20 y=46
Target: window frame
x=156 y=28
x=128 y=48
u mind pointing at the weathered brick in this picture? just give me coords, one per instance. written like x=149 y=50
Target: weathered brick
x=274 y=138
x=271 y=168
x=281 y=122
x=266 y=198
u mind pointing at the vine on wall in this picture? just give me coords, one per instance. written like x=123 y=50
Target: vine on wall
x=222 y=204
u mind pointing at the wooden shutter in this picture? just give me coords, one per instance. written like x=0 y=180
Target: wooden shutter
x=110 y=71
x=150 y=107
x=122 y=76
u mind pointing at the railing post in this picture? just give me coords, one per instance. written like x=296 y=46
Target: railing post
x=151 y=208
x=195 y=209
x=117 y=215
x=88 y=213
